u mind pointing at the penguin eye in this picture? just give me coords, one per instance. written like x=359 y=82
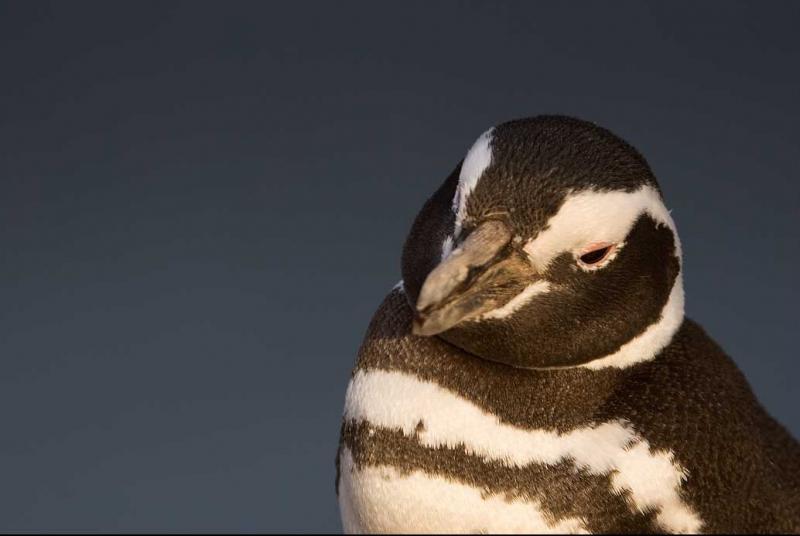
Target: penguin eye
x=596 y=254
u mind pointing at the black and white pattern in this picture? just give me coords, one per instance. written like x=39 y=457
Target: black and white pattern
x=549 y=394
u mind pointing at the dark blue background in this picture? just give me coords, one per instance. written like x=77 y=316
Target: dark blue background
x=202 y=204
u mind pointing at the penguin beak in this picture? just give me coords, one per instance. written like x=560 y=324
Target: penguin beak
x=476 y=277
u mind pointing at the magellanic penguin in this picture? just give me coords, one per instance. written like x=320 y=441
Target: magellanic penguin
x=534 y=371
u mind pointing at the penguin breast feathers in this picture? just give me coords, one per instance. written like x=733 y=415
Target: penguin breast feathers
x=534 y=372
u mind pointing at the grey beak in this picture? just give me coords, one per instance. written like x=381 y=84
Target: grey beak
x=447 y=296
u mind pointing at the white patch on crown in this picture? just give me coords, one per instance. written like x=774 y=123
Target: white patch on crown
x=447 y=247
x=591 y=216
x=478 y=158
x=396 y=400
x=383 y=500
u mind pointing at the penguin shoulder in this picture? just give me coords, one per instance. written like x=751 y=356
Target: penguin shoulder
x=694 y=402
x=388 y=343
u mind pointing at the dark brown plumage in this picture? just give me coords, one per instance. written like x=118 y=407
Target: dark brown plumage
x=743 y=467
x=687 y=403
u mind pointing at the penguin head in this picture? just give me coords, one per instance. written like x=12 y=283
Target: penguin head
x=549 y=245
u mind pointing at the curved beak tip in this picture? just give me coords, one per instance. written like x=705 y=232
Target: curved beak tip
x=418 y=327
x=426 y=326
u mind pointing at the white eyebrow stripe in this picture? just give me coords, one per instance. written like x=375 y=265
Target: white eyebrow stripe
x=594 y=216
x=478 y=158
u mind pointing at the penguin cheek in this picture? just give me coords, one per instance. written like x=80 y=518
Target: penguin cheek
x=584 y=315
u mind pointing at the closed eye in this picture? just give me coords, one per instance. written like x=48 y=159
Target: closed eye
x=596 y=255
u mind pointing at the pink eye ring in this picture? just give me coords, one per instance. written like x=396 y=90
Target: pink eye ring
x=594 y=254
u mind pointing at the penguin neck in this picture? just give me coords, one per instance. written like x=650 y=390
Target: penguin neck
x=554 y=399
x=505 y=342
x=566 y=397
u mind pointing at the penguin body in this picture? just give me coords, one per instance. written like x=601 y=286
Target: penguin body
x=534 y=372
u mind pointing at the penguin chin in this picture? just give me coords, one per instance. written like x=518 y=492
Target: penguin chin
x=472 y=341
x=536 y=346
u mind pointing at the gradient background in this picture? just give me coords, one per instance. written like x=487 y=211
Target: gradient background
x=202 y=205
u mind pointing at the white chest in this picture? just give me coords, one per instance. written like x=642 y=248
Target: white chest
x=378 y=497
x=383 y=500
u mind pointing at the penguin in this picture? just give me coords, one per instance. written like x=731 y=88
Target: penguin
x=534 y=370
